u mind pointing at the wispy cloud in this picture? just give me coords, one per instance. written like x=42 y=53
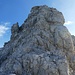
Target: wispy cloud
x=7 y=23
x=68 y=22
x=3 y=28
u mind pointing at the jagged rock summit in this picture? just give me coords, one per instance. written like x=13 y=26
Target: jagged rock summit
x=41 y=46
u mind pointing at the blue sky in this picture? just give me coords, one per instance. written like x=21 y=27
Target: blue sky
x=12 y=11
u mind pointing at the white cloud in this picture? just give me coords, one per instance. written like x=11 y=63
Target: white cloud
x=3 y=28
x=68 y=22
x=7 y=23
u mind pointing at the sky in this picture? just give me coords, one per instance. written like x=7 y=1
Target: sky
x=12 y=11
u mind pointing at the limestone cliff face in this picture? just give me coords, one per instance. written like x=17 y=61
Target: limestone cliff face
x=41 y=46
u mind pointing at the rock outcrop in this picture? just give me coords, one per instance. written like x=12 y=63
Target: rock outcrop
x=14 y=30
x=41 y=46
x=73 y=37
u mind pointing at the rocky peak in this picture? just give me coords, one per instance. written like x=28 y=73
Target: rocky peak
x=44 y=15
x=51 y=15
x=14 y=30
x=41 y=46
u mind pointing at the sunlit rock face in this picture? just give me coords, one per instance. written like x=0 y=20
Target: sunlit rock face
x=40 y=46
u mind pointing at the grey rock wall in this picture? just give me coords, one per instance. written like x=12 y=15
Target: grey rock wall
x=41 y=46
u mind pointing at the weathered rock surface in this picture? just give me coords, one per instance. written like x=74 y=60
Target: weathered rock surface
x=41 y=46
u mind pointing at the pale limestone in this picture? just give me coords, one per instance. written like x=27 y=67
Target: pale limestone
x=41 y=46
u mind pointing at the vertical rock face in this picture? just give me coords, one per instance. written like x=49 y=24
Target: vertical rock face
x=41 y=46
x=73 y=37
x=14 y=30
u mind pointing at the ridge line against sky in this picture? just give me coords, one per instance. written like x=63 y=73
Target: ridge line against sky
x=12 y=11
